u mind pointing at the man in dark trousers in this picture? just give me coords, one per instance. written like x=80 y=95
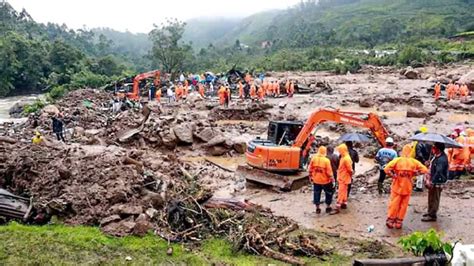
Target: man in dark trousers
x=355 y=159
x=438 y=176
x=58 y=128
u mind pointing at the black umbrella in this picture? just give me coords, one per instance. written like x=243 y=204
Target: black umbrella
x=354 y=137
x=437 y=138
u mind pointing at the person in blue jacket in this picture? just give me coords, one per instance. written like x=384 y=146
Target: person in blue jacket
x=383 y=157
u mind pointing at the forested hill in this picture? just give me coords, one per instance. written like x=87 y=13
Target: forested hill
x=36 y=57
x=361 y=23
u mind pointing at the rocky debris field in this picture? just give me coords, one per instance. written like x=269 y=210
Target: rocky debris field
x=160 y=168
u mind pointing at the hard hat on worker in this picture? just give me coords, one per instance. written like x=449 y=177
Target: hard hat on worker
x=389 y=140
x=423 y=129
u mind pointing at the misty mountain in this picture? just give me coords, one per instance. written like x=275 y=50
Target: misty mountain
x=203 y=31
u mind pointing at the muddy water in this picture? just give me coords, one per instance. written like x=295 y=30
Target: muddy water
x=8 y=102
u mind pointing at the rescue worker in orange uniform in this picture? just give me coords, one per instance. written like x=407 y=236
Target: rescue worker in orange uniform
x=179 y=92
x=437 y=91
x=276 y=88
x=321 y=176
x=201 y=89
x=241 y=90
x=470 y=145
x=287 y=86
x=158 y=95
x=222 y=94
x=185 y=90
x=344 y=177
x=253 y=91
x=261 y=93
x=458 y=158
x=450 y=91
x=402 y=170
x=292 y=89
x=456 y=90
x=264 y=86
x=464 y=92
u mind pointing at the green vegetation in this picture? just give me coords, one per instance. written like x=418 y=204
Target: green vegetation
x=64 y=245
x=35 y=57
x=430 y=242
x=334 y=35
x=34 y=107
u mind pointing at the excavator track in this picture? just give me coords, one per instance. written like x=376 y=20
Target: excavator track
x=277 y=181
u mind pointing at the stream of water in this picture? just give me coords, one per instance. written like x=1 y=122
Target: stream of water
x=8 y=102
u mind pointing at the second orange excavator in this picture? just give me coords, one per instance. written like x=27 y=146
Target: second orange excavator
x=279 y=160
x=135 y=94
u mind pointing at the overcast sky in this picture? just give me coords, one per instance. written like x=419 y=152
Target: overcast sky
x=138 y=15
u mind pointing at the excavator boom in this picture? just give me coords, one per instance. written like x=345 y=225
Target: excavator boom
x=287 y=161
x=135 y=94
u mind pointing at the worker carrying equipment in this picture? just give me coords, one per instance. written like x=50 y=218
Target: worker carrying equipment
x=402 y=170
x=279 y=161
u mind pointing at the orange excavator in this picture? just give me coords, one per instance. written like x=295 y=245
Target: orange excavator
x=135 y=94
x=279 y=160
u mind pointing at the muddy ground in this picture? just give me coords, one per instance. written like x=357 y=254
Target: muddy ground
x=208 y=141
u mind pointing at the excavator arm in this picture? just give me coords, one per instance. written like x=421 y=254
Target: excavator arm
x=282 y=166
x=135 y=95
x=364 y=120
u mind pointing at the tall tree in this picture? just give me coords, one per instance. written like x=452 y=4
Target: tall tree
x=168 y=52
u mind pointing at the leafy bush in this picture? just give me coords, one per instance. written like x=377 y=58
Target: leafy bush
x=419 y=243
x=88 y=79
x=57 y=92
x=410 y=55
x=34 y=107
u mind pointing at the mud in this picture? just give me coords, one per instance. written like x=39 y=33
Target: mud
x=125 y=171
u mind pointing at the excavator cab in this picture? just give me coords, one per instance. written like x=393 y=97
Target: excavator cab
x=276 y=172
x=284 y=132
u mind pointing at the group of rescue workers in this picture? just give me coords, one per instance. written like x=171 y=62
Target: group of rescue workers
x=432 y=164
x=453 y=91
x=247 y=88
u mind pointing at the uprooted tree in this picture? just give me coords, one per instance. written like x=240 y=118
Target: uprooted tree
x=168 y=52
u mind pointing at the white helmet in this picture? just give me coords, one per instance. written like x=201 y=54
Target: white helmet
x=389 y=140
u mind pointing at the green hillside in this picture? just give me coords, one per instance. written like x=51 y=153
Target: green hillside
x=38 y=57
x=363 y=23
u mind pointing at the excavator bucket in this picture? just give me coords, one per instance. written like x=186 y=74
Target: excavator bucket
x=277 y=181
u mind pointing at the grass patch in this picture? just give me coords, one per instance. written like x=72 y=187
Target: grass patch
x=80 y=245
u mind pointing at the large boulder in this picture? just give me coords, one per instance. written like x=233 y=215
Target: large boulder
x=168 y=138
x=217 y=140
x=17 y=109
x=468 y=79
x=206 y=134
x=421 y=112
x=366 y=102
x=184 y=133
x=51 y=109
x=386 y=107
x=411 y=73
x=217 y=150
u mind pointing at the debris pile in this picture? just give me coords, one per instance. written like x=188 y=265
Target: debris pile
x=251 y=112
x=130 y=192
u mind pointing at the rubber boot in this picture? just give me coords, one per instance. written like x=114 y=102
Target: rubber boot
x=380 y=188
x=390 y=223
x=398 y=224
